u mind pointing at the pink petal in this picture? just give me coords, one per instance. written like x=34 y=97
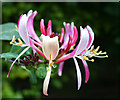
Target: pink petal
x=62 y=35
x=91 y=37
x=22 y=29
x=19 y=20
x=66 y=38
x=87 y=73
x=39 y=51
x=46 y=82
x=49 y=29
x=84 y=38
x=67 y=48
x=75 y=36
x=60 y=68
x=38 y=44
x=17 y=59
x=42 y=27
x=65 y=57
x=79 y=78
x=30 y=27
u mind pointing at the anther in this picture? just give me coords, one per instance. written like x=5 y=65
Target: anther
x=99 y=52
x=85 y=58
x=51 y=64
x=72 y=47
x=92 y=55
x=20 y=42
x=47 y=69
x=13 y=40
x=92 y=47
x=97 y=49
x=92 y=60
x=106 y=56
x=16 y=28
x=85 y=50
x=94 y=52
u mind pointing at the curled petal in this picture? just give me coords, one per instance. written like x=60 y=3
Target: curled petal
x=66 y=38
x=65 y=57
x=91 y=36
x=19 y=20
x=79 y=78
x=49 y=29
x=62 y=35
x=23 y=30
x=60 y=68
x=50 y=47
x=87 y=73
x=30 y=27
x=75 y=35
x=84 y=38
x=17 y=59
x=38 y=50
x=42 y=27
x=46 y=82
x=67 y=48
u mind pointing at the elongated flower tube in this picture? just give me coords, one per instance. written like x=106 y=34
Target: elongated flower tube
x=50 y=48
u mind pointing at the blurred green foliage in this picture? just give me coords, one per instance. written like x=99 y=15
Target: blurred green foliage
x=104 y=73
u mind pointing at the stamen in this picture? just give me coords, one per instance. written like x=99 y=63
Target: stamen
x=13 y=40
x=92 y=60
x=97 y=49
x=103 y=53
x=20 y=42
x=92 y=47
x=72 y=47
x=85 y=50
x=51 y=64
x=54 y=66
x=47 y=68
x=86 y=58
x=106 y=56
x=92 y=55
x=99 y=52
x=16 y=28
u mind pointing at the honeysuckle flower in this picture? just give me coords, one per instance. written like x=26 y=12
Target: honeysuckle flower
x=54 y=47
x=82 y=52
x=50 y=47
x=26 y=31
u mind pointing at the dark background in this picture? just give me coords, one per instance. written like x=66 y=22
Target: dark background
x=104 y=73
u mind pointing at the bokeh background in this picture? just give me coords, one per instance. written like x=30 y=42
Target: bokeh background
x=104 y=73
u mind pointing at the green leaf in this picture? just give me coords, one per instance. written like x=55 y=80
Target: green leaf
x=9 y=55
x=8 y=30
x=16 y=49
x=41 y=72
x=14 y=52
x=33 y=77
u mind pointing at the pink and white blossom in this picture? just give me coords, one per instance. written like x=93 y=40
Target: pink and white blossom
x=54 y=48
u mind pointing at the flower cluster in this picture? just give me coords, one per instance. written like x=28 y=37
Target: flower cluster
x=54 y=47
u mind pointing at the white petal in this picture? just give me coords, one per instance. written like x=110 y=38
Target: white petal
x=46 y=82
x=23 y=30
x=17 y=59
x=92 y=35
x=79 y=78
x=84 y=38
x=50 y=47
x=29 y=12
